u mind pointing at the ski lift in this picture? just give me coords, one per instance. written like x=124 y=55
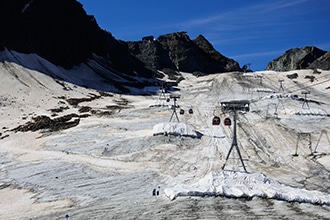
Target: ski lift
x=181 y=111
x=227 y=122
x=191 y=111
x=216 y=120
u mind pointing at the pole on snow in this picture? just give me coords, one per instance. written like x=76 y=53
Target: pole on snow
x=175 y=98
x=234 y=106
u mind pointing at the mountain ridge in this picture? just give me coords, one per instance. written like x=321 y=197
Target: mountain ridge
x=308 y=57
x=179 y=53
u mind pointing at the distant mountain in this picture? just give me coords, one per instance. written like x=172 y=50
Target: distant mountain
x=308 y=57
x=178 y=52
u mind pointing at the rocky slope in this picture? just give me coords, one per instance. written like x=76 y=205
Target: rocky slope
x=322 y=62
x=308 y=57
x=178 y=52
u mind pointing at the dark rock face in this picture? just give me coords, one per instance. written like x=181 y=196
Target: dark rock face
x=61 y=32
x=214 y=59
x=43 y=122
x=178 y=52
x=292 y=76
x=301 y=58
x=322 y=62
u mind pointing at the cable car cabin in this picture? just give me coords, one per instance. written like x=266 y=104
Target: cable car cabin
x=227 y=122
x=181 y=111
x=191 y=111
x=215 y=120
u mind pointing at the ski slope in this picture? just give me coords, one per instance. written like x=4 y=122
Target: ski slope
x=107 y=166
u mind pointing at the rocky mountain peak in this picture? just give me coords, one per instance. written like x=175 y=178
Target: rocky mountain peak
x=203 y=43
x=179 y=53
x=308 y=57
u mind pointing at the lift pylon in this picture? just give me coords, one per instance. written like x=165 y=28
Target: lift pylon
x=281 y=85
x=305 y=99
x=234 y=106
x=318 y=141
x=162 y=94
x=175 y=98
x=303 y=136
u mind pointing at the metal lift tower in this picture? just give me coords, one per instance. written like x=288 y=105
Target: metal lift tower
x=175 y=98
x=305 y=100
x=281 y=89
x=234 y=106
x=162 y=94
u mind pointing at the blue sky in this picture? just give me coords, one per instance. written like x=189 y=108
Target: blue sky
x=248 y=31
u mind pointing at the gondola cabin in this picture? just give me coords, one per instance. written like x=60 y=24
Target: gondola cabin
x=191 y=111
x=216 y=120
x=181 y=111
x=227 y=122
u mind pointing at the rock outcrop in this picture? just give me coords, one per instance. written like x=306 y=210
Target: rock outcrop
x=308 y=57
x=322 y=62
x=178 y=52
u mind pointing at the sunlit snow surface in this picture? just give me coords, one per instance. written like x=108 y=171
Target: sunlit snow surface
x=239 y=184
x=108 y=165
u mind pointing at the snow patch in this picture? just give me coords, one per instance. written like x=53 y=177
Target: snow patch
x=308 y=112
x=264 y=90
x=251 y=75
x=246 y=185
x=176 y=129
x=269 y=72
x=284 y=96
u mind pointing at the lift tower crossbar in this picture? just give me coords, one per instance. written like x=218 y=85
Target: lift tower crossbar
x=234 y=106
